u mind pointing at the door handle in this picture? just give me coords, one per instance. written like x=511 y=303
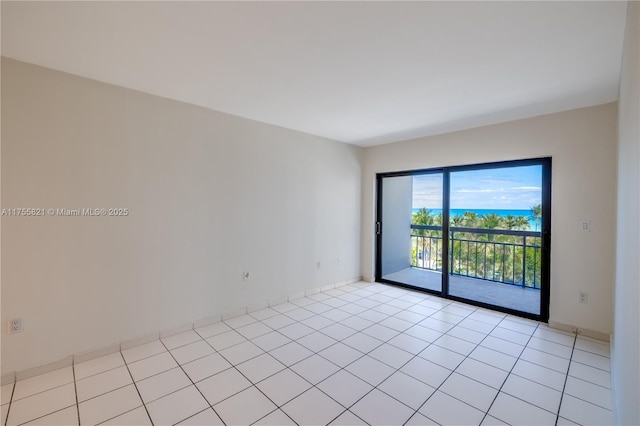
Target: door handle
x=378 y=227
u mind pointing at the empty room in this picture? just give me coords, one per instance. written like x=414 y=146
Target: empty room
x=313 y=213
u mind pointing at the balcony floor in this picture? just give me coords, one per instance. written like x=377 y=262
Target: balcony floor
x=494 y=293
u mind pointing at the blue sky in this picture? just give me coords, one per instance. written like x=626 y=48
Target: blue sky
x=506 y=188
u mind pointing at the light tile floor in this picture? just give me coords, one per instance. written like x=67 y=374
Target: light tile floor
x=359 y=354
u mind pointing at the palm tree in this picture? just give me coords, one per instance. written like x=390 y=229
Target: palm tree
x=470 y=219
x=536 y=214
x=422 y=217
x=457 y=220
x=491 y=220
x=510 y=222
x=522 y=223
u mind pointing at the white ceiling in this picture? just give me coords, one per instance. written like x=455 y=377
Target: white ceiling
x=359 y=72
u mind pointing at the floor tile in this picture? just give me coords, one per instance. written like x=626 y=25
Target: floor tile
x=295 y=331
x=316 y=341
x=318 y=308
x=336 y=315
x=282 y=387
x=263 y=314
x=352 y=308
x=338 y=331
x=485 y=318
x=191 y=352
x=176 y=406
x=300 y=314
x=270 y=341
x=406 y=389
x=515 y=411
x=260 y=367
x=378 y=408
x=212 y=329
x=275 y=418
x=454 y=344
x=317 y=322
x=207 y=417
x=482 y=372
x=345 y=388
x=408 y=343
x=278 y=321
x=593 y=346
x=441 y=356
x=181 y=339
x=497 y=359
x=554 y=336
x=98 y=365
x=223 y=385
x=589 y=392
x=539 y=374
x=7 y=391
x=467 y=390
x=380 y=332
x=397 y=324
x=510 y=336
x=41 y=404
x=492 y=421
x=139 y=352
x=241 y=352
x=109 y=405
x=590 y=374
x=370 y=370
x=150 y=366
x=373 y=316
x=205 y=367
x=291 y=353
x=583 y=412
x=466 y=334
x=4 y=411
x=226 y=340
x=348 y=419
x=312 y=408
x=426 y=371
x=475 y=325
x=419 y=420
x=135 y=417
x=239 y=321
x=390 y=355
x=427 y=334
x=565 y=422
x=315 y=369
x=550 y=347
x=591 y=359
x=42 y=382
x=162 y=384
x=447 y=410
x=102 y=383
x=362 y=342
x=285 y=307
x=500 y=345
x=245 y=407
x=518 y=324
x=533 y=393
x=64 y=417
x=448 y=317
x=341 y=354
x=545 y=359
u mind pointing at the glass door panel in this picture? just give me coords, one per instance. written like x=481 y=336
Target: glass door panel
x=410 y=221
x=495 y=238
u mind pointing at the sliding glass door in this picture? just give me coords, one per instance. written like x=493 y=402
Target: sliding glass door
x=477 y=233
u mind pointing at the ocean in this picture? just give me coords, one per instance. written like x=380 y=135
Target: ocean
x=504 y=213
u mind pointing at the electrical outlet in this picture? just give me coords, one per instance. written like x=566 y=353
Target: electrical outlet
x=317 y=265
x=246 y=276
x=16 y=326
x=586 y=225
x=583 y=297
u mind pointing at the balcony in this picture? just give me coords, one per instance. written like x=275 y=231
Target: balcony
x=495 y=266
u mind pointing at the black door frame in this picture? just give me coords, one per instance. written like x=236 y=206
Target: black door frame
x=545 y=275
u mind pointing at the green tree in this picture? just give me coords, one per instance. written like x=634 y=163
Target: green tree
x=522 y=223
x=511 y=222
x=536 y=214
x=470 y=219
x=490 y=221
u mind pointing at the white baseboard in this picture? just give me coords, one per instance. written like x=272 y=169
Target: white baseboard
x=580 y=331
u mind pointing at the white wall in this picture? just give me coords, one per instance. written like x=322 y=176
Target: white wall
x=583 y=146
x=626 y=335
x=210 y=195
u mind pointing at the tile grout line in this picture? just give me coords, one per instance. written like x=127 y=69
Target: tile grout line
x=566 y=377
x=13 y=390
x=137 y=390
x=75 y=391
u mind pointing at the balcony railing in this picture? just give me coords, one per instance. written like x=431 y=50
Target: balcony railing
x=500 y=255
